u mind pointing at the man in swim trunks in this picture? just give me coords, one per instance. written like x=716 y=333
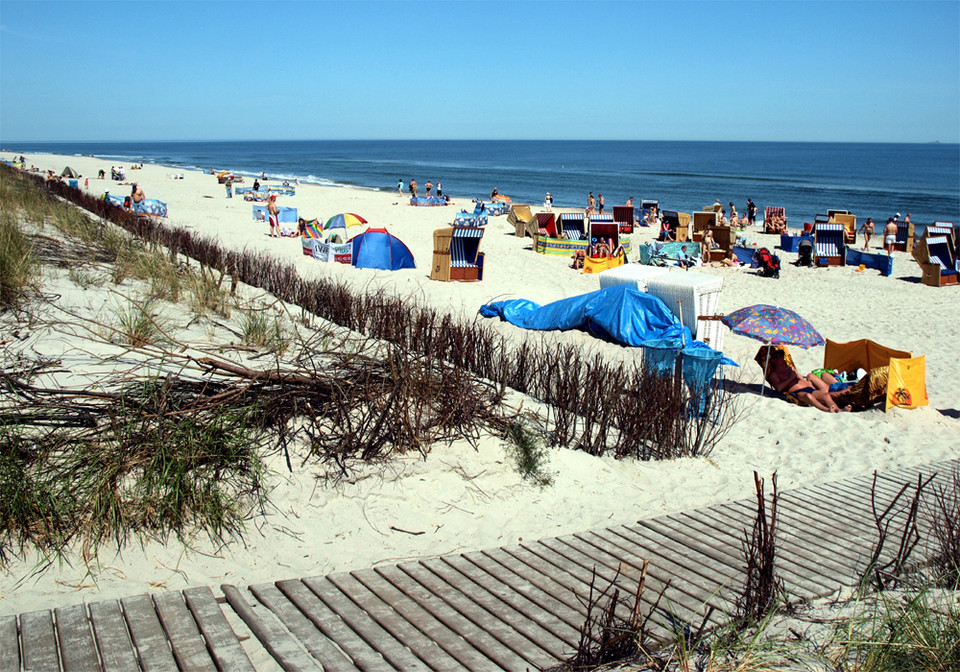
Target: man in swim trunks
x=137 y=193
x=890 y=236
x=273 y=214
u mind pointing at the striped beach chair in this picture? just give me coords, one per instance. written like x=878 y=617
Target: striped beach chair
x=624 y=215
x=769 y=212
x=546 y=225
x=573 y=226
x=828 y=244
x=904 y=241
x=938 y=262
x=456 y=254
x=945 y=229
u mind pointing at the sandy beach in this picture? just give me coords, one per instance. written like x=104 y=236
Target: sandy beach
x=464 y=499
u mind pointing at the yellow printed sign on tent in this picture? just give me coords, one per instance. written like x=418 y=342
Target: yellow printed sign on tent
x=907 y=386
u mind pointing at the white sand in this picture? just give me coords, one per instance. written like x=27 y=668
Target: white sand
x=463 y=499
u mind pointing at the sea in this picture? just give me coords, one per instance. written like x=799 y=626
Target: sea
x=869 y=180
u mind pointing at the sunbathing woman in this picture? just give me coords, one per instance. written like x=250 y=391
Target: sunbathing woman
x=810 y=390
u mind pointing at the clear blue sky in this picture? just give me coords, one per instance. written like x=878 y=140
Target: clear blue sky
x=804 y=71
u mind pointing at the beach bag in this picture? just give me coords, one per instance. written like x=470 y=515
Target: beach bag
x=907 y=385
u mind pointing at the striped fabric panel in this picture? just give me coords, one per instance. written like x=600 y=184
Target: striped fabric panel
x=573 y=233
x=821 y=219
x=463 y=246
x=828 y=250
x=939 y=252
x=771 y=211
x=602 y=218
x=829 y=227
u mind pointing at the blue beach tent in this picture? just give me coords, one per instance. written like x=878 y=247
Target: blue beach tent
x=376 y=248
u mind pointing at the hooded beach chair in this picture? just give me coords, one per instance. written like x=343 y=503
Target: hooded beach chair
x=938 y=263
x=691 y=296
x=520 y=216
x=623 y=215
x=546 y=225
x=904 y=241
x=945 y=229
x=849 y=223
x=646 y=206
x=703 y=221
x=828 y=244
x=456 y=254
x=721 y=236
x=573 y=226
x=678 y=223
x=769 y=212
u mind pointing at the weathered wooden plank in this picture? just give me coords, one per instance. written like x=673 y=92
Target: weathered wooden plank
x=78 y=651
x=150 y=641
x=478 y=639
x=330 y=623
x=799 y=578
x=39 y=641
x=278 y=642
x=376 y=637
x=450 y=641
x=599 y=550
x=185 y=639
x=542 y=590
x=222 y=641
x=549 y=632
x=424 y=647
x=113 y=640
x=9 y=644
x=487 y=621
x=316 y=642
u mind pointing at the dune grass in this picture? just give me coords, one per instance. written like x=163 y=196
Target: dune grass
x=18 y=263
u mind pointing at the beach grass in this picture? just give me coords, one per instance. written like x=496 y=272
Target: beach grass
x=18 y=263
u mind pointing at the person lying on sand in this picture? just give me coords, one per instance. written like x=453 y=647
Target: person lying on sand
x=811 y=390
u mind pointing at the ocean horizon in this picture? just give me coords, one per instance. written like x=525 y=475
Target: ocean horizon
x=875 y=180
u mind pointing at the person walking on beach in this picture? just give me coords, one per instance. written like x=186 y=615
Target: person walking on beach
x=273 y=214
x=890 y=236
x=429 y=187
x=439 y=190
x=400 y=186
x=591 y=203
x=751 y=212
x=413 y=188
x=548 y=202
x=229 y=183
x=867 y=230
x=599 y=202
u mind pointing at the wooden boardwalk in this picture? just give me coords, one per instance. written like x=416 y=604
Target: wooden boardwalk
x=511 y=608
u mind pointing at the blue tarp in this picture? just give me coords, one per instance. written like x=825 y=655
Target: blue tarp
x=879 y=262
x=284 y=214
x=621 y=313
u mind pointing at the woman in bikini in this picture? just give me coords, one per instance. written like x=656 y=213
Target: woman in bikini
x=811 y=390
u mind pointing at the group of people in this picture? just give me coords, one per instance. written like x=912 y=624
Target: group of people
x=414 y=188
x=889 y=233
x=595 y=205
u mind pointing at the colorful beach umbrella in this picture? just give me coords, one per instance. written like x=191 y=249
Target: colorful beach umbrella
x=344 y=220
x=773 y=325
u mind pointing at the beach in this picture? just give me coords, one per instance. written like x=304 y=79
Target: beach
x=461 y=498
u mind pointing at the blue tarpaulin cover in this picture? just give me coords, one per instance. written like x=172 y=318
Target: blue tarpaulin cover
x=621 y=313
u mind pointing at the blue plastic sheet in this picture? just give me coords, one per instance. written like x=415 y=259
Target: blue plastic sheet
x=621 y=313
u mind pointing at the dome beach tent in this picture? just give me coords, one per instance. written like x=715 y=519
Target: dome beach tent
x=69 y=172
x=377 y=248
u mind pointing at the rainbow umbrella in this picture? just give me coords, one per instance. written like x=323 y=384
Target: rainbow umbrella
x=772 y=325
x=343 y=220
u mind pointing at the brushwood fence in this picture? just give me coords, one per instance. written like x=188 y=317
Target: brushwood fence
x=592 y=405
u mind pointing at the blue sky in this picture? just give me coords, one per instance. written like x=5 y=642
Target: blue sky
x=791 y=71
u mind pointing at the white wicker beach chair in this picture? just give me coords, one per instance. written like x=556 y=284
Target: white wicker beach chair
x=690 y=296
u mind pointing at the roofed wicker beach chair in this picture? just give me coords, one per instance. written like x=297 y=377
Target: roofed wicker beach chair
x=849 y=222
x=722 y=243
x=624 y=215
x=456 y=254
x=904 y=241
x=703 y=221
x=770 y=213
x=546 y=225
x=828 y=244
x=520 y=216
x=937 y=260
x=573 y=225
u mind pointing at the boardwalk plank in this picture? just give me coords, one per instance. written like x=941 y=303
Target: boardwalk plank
x=425 y=648
x=9 y=644
x=151 y=642
x=550 y=632
x=222 y=641
x=487 y=621
x=275 y=638
x=39 y=642
x=378 y=638
x=447 y=639
x=113 y=640
x=187 y=643
x=333 y=626
x=316 y=642
x=78 y=651
x=478 y=639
